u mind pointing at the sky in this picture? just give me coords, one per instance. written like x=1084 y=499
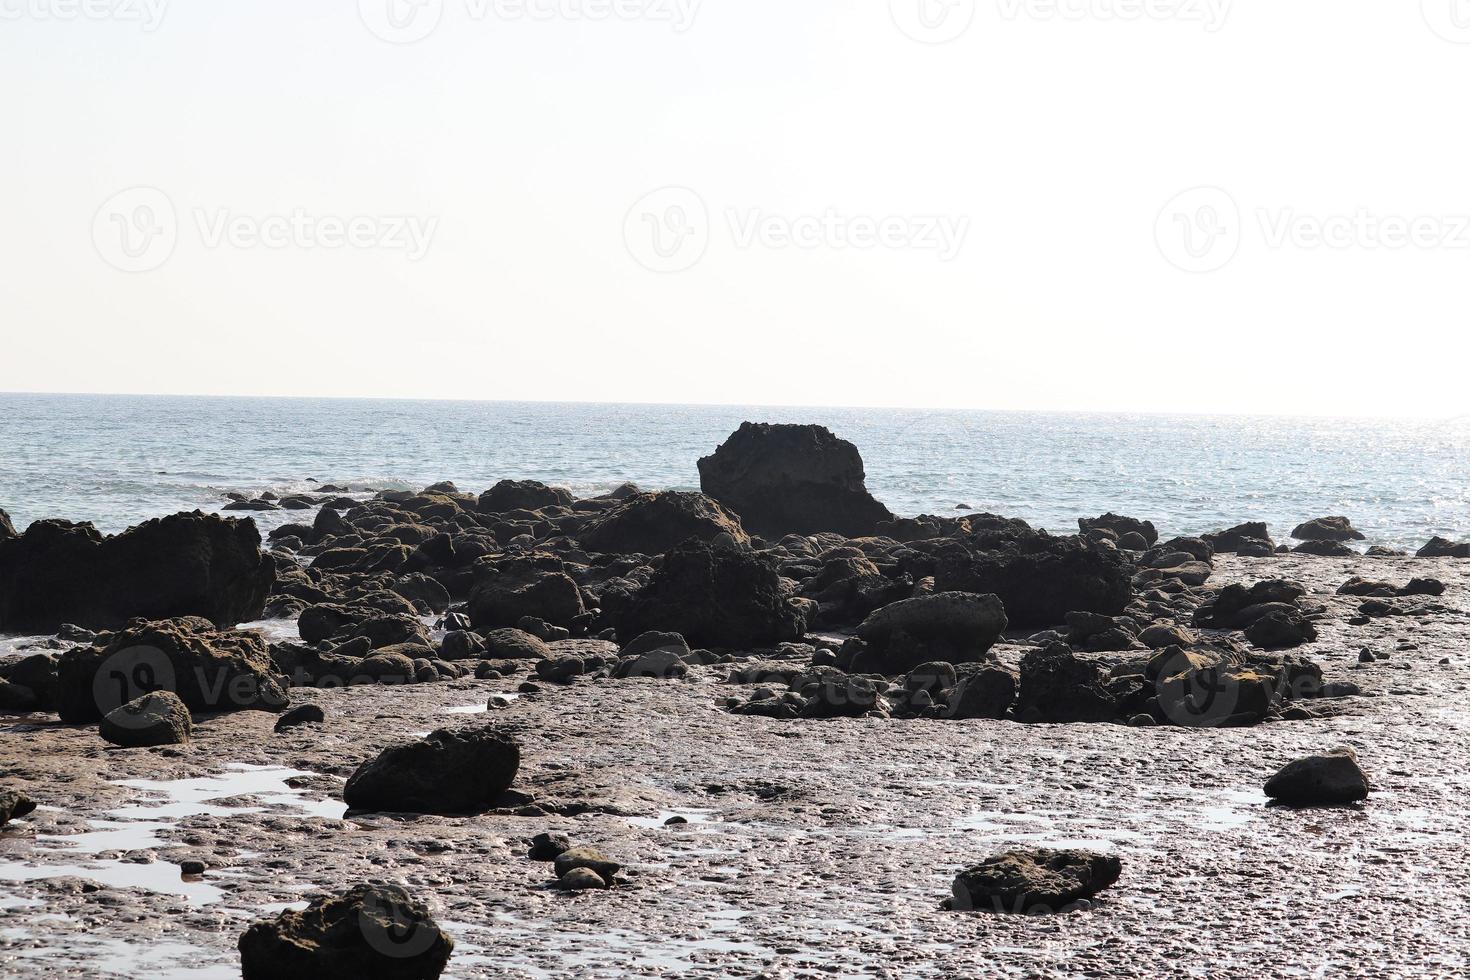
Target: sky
x=1109 y=205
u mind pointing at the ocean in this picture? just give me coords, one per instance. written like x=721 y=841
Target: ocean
x=117 y=460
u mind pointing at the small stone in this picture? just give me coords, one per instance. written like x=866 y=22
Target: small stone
x=585 y=857
x=548 y=846
x=582 y=879
x=675 y=821
x=1365 y=656
x=306 y=714
x=191 y=867
x=560 y=670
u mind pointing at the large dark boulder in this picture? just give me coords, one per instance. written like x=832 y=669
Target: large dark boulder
x=1251 y=539
x=36 y=675
x=183 y=565
x=450 y=773
x=1330 y=779
x=1280 y=629
x=798 y=479
x=1058 y=686
x=1327 y=529
x=1438 y=547
x=375 y=931
x=1034 y=881
x=954 y=627
x=13 y=805
x=1041 y=578
x=508 y=589
x=986 y=692
x=508 y=495
x=715 y=597
x=652 y=523
x=159 y=718
x=210 y=670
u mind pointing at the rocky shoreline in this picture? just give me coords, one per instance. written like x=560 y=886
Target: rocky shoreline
x=790 y=725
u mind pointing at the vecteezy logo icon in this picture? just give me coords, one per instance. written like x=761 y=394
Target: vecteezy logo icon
x=932 y=21
x=667 y=230
x=129 y=674
x=401 y=21
x=1450 y=19
x=136 y=230
x=391 y=927
x=1199 y=230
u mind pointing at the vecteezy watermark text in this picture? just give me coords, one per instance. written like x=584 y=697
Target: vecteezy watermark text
x=1202 y=230
x=408 y=21
x=409 y=234
x=1210 y=14
x=940 y=21
x=670 y=230
x=147 y=14
x=137 y=230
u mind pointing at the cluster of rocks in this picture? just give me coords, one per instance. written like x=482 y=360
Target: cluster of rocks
x=144 y=682
x=525 y=575
x=268 y=501
x=783 y=556
x=579 y=868
x=1379 y=598
x=1274 y=614
x=1220 y=684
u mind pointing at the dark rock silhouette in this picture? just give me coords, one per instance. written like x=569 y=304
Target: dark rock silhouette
x=798 y=479
x=373 y=931
x=447 y=773
x=714 y=596
x=183 y=565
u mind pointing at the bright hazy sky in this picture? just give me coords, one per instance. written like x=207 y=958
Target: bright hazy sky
x=1156 y=205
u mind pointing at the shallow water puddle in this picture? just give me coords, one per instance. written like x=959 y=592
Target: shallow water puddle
x=139 y=827
x=691 y=817
x=156 y=876
x=483 y=706
x=193 y=797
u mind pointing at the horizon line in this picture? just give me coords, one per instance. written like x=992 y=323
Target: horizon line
x=739 y=404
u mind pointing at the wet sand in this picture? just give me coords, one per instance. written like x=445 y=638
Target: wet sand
x=814 y=848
